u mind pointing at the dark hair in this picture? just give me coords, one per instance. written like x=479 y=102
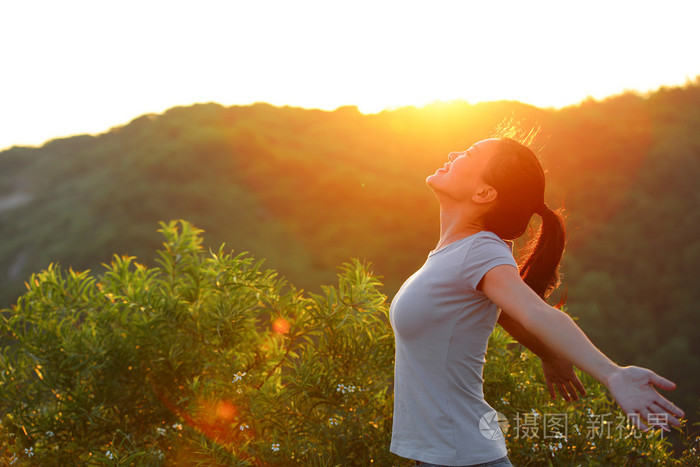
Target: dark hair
x=517 y=176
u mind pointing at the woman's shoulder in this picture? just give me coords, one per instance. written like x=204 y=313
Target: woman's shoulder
x=486 y=246
x=487 y=251
x=486 y=237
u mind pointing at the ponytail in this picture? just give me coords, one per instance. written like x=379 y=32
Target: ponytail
x=516 y=174
x=540 y=270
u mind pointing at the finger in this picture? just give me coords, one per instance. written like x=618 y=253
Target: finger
x=563 y=392
x=579 y=385
x=642 y=418
x=660 y=420
x=656 y=420
x=669 y=406
x=662 y=382
x=651 y=418
x=566 y=391
x=668 y=416
x=665 y=423
x=550 y=387
x=571 y=392
x=636 y=419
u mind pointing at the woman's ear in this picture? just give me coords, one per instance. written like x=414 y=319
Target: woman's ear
x=485 y=194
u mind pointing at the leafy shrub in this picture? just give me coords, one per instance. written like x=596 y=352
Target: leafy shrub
x=210 y=359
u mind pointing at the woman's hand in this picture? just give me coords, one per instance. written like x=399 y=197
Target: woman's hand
x=633 y=390
x=559 y=373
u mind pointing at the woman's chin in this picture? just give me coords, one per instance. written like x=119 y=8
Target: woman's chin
x=432 y=179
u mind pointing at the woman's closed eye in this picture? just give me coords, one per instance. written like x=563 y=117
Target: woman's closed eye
x=455 y=155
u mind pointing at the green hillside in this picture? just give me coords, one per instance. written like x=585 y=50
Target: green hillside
x=308 y=189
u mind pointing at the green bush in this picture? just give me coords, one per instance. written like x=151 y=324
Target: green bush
x=210 y=359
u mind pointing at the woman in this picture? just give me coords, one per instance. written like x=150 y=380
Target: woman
x=444 y=313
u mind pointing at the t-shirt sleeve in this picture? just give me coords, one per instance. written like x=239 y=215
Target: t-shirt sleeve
x=487 y=252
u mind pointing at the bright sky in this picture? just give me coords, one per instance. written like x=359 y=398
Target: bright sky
x=70 y=67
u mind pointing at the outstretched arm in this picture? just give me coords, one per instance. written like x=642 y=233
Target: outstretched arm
x=558 y=371
x=523 y=336
x=632 y=387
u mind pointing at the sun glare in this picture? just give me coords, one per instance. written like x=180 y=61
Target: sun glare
x=82 y=67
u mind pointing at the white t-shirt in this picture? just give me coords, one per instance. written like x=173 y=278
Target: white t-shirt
x=442 y=324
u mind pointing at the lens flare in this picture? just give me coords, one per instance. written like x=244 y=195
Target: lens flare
x=280 y=326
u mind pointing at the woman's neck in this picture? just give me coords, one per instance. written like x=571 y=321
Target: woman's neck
x=456 y=224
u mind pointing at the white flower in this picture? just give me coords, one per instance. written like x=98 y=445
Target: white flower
x=13 y=459
x=275 y=447
x=109 y=455
x=243 y=427
x=238 y=376
x=332 y=421
x=346 y=389
x=177 y=426
x=555 y=447
x=49 y=434
x=29 y=452
x=161 y=431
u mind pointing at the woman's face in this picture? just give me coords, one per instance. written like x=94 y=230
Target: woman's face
x=462 y=175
